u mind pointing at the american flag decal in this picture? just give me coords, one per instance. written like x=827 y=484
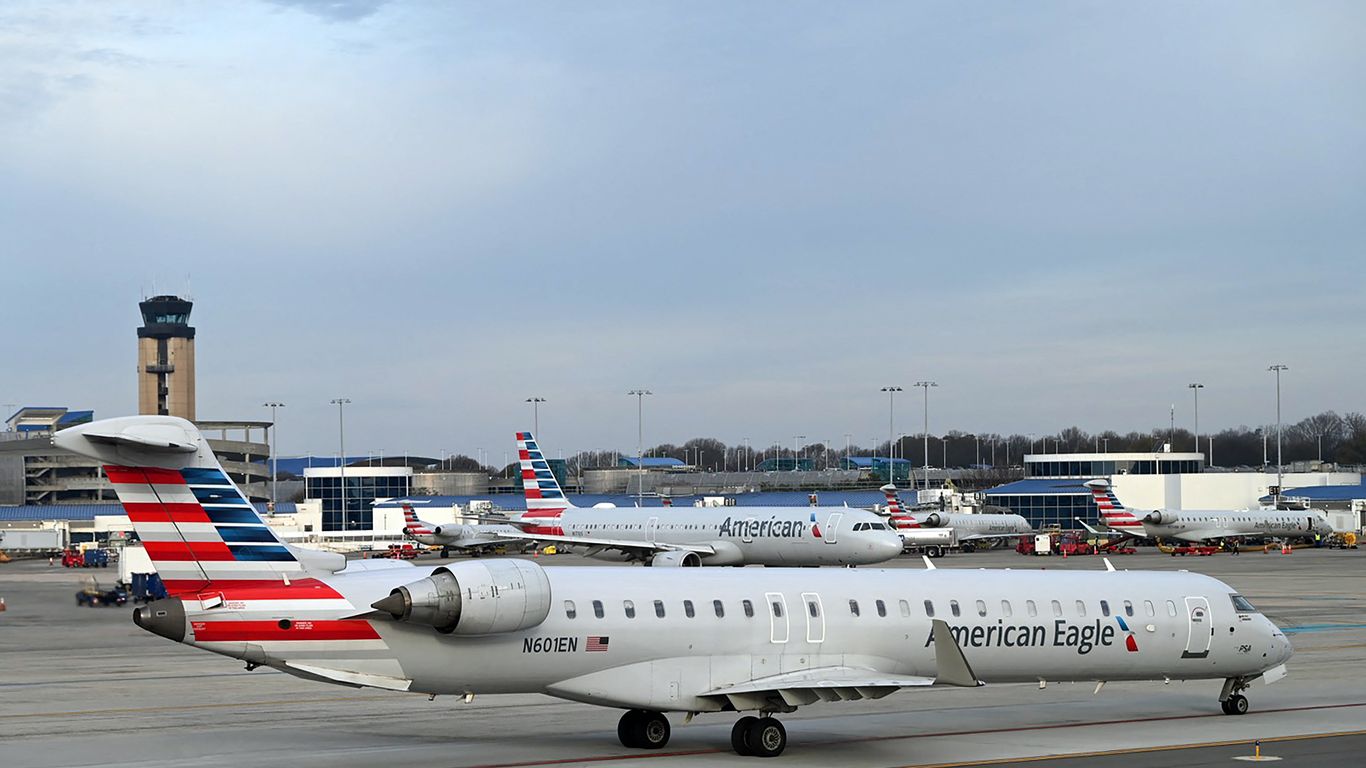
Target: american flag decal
x=596 y=644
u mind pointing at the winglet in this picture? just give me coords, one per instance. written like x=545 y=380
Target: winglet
x=929 y=564
x=951 y=666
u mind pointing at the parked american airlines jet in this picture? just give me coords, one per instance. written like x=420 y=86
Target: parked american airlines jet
x=1201 y=525
x=691 y=536
x=648 y=642
x=464 y=537
x=969 y=528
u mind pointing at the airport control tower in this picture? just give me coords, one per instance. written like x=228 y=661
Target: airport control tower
x=166 y=358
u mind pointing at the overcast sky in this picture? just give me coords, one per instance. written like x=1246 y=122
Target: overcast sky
x=1063 y=213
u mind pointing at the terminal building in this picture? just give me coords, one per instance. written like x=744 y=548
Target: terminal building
x=1052 y=491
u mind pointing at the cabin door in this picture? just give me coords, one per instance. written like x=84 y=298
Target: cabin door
x=832 y=527
x=651 y=529
x=1201 y=628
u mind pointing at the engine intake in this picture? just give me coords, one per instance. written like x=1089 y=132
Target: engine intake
x=934 y=520
x=1160 y=517
x=676 y=559
x=474 y=598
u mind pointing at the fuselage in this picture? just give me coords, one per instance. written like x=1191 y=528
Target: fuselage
x=739 y=535
x=1206 y=525
x=658 y=641
x=969 y=526
x=460 y=534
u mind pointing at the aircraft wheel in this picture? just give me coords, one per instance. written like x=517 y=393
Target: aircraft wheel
x=739 y=733
x=766 y=737
x=652 y=730
x=1236 y=704
x=628 y=727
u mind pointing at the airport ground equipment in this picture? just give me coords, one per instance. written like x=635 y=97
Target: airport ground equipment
x=647 y=641
x=90 y=558
x=92 y=595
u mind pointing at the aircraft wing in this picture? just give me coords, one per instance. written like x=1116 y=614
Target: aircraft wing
x=1111 y=533
x=485 y=543
x=808 y=686
x=621 y=544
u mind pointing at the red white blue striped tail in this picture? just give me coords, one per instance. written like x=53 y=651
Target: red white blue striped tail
x=413 y=525
x=1112 y=512
x=896 y=511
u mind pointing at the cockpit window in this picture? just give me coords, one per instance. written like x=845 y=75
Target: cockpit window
x=1241 y=605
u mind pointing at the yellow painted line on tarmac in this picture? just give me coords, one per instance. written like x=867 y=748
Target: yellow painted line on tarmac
x=1136 y=750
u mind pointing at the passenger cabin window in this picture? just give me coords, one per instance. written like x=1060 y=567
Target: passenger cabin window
x=1005 y=609
x=659 y=608
x=1128 y=608
x=1081 y=608
x=777 y=608
x=1057 y=608
x=853 y=607
x=749 y=608
x=629 y=607
x=929 y=608
x=688 y=610
x=953 y=608
x=1031 y=608
x=1171 y=608
x=597 y=608
x=1104 y=608
x=569 y=610
x=981 y=608
x=905 y=609
x=881 y=609
x=719 y=608
x=812 y=609
x=1148 y=608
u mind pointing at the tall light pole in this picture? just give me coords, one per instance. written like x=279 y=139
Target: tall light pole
x=341 y=402
x=1195 y=390
x=274 y=462
x=536 y=414
x=891 y=431
x=795 y=438
x=925 y=385
x=1278 y=367
x=640 y=441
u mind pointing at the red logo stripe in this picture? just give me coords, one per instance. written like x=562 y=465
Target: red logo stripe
x=152 y=512
x=153 y=475
x=191 y=550
x=250 y=589
x=258 y=631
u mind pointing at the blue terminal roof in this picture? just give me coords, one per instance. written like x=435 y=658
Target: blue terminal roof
x=1039 y=487
x=1326 y=492
x=872 y=461
x=511 y=501
x=662 y=462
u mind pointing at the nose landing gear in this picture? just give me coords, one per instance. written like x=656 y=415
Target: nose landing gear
x=1231 y=699
x=758 y=737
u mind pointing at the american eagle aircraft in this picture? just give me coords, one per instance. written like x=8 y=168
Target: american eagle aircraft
x=691 y=536
x=1200 y=525
x=448 y=536
x=969 y=528
x=718 y=640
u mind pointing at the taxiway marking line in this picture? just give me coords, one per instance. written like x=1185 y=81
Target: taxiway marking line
x=979 y=732
x=1137 y=750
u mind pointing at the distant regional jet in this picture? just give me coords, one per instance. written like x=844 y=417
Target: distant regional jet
x=766 y=640
x=969 y=528
x=1200 y=525
x=692 y=536
x=464 y=537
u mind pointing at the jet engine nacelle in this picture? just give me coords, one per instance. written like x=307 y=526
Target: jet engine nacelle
x=454 y=531
x=934 y=520
x=676 y=559
x=474 y=598
x=1160 y=517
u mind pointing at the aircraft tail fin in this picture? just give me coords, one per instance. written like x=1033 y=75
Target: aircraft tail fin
x=413 y=525
x=896 y=511
x=195 y=524
x=544 y=497
x=1112 y=513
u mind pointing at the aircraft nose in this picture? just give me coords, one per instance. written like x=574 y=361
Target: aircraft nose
x=887 y=547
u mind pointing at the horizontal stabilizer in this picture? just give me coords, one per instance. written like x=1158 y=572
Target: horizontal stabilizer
x=148 y=438
x=951 y=665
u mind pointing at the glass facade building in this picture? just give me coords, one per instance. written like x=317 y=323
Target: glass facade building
x=1053 y=494
x=1067 y=466
x=352 y=510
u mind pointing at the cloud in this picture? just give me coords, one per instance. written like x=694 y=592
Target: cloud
x=334 y=10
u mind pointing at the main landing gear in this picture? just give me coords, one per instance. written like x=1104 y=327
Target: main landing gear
x=643 y=729
x=758 y=737
x=1231 y=699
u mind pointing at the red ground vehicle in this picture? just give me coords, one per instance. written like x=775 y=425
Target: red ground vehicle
x=1073 y=543
x=73 y=558
x=1115 y=548
x=1203 y=550
x=400 y=552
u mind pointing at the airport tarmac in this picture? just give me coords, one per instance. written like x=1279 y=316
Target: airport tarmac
x=84 y=686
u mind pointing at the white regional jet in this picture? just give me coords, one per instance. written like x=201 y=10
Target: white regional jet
x=1201 y=525
x=981 y=528
x=448 y=536
x=647 y=642
x=692 y=536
